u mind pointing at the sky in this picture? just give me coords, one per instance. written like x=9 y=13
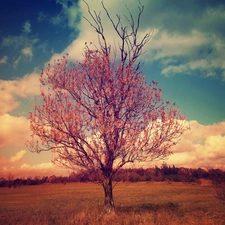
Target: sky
x=185 y=56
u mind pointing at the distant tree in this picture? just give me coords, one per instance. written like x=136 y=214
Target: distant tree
x=218 y=182
x=3 y=182
x=165 y=169
x=10 y=180
x=100 y=114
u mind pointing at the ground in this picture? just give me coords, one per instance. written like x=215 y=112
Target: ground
x=143 y=203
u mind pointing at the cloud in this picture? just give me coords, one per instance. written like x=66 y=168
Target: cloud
x=191 y=42
x=27 y=27
x=69 y=16
x=27 y=52
x=22 y=44
x=187 y=54
x=14 y=130
x=7 y=102
x=13 y=159
x=24 y=87
x=41 y=166
x=43 y=169
x=41 y=17
x=20 y=41
x=15 y=41
x=88 y=33
x=19 y=155
x=73 y=14
x=202 y=146
x=185 y=16
x=3 y=60
x=17 y=166
x=27 y=170
x=164 y=44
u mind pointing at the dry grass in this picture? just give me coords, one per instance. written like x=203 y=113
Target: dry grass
x=136 y=203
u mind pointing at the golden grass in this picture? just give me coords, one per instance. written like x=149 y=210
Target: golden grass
x=136 y=203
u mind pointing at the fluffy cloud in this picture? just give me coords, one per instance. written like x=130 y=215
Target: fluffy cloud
x=202 y=146
x=69 y=15
x=19 y=155
x=5 y=162
x=187 y=43
x=27 y=170
x=164 y=44
x=182 y=43
x=14 y=130
x=42 y=166
x=25 y=87
x=180 y=53
x=7 y=102
x=87 y=32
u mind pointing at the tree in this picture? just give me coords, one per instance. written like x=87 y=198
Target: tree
x=218 y=182
x=100 y=114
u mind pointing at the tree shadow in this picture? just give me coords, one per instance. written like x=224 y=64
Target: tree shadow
x=169 y=206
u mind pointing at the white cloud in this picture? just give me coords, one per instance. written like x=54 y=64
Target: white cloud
x=202 y=146
x=5 y=162
x=27 y=52
x=25 y=87
x=68 y=16
x=3 y=60
x=19 y=155
x=22 y=44
x=28 y=170
x=87 y=33
x=27 y=27
x=7 y=102
x=14 y=130
x=186 y=53
x=29 y=85
x=178 y=52
x=165 y=44
x=41 y=166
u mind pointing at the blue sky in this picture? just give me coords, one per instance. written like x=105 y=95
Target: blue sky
x=185 y=55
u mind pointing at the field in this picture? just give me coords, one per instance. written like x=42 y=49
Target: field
x=136 y=203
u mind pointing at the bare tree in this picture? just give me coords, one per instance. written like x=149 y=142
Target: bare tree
x=100 y=114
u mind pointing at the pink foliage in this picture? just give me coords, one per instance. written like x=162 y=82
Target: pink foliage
x=99 y=114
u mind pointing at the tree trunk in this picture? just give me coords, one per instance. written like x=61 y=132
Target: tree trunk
x=109 y=203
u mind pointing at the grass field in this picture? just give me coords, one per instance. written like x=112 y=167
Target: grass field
x=136 y=203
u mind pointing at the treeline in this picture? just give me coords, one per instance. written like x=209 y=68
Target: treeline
x=163 y=173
